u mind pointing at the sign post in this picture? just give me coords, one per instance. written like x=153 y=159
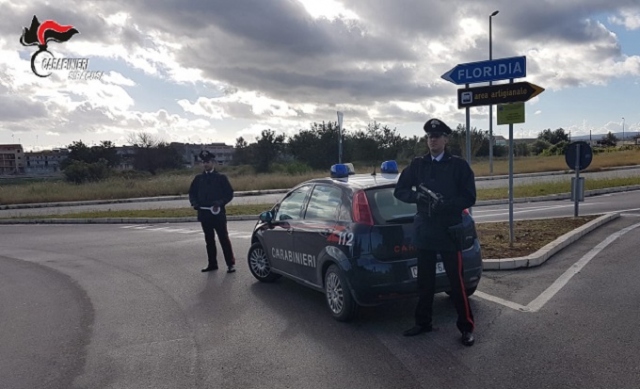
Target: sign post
x=498 y=94
x=489 y=71
x=578 y=156
x=485 y=71
x=340 y=116
x=510 y=113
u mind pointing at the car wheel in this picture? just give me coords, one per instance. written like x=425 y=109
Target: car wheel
x=339 y=299
x=469 y=291
x=259 y=264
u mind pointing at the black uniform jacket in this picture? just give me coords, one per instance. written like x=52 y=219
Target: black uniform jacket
x=208 y=189
x=453 y=178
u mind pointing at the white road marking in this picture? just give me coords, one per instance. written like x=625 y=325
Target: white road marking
x=558 y=284
x=501 y=301
x=541 y=300
x=232 y=234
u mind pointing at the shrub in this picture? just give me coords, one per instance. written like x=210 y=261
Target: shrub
x=79 y=172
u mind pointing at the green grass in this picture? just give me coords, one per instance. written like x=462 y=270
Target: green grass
x=254 y=209
x=232 y=210
x=243 y=179
x=549 y=188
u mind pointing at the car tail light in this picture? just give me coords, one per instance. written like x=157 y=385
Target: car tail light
x=361 y=209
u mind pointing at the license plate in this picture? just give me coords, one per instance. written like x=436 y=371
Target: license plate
x=439 y=269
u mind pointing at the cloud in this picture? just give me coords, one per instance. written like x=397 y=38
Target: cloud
x=283 y=64
x=629 y=18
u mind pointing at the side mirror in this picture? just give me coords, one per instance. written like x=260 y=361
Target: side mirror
x=266 y=216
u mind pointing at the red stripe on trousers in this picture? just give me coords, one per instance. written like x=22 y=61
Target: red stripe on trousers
x=467 y=309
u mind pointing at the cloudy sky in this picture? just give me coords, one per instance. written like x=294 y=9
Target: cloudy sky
x=214 y=70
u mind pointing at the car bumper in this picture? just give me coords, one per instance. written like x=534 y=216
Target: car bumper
x=374 y=282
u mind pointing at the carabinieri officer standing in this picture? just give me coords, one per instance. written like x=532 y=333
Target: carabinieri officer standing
x=210 y=191
x=453 y=180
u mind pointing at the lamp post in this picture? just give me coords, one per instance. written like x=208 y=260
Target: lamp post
x=491 y=106
x=623 y=131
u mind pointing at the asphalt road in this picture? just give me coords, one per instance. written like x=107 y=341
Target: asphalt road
x=125 y=306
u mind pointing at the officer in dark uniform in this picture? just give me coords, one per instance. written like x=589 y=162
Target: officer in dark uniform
x=452 y=185
x=210 y=191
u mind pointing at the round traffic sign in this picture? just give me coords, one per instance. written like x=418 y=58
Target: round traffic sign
x=583 y=150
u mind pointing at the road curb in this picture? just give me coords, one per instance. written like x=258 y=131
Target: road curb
x=542 y=255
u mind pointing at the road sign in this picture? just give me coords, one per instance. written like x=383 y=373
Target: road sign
x=510 y=113
x=497 y=94
x=585 y=155
x=484 y=71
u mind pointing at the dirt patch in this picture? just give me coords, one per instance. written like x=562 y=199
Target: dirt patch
x=529 y=235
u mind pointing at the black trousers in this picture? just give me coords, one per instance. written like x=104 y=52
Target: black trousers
x=211 y=227
x=452 y=261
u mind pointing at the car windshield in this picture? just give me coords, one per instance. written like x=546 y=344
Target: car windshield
x=388 y=209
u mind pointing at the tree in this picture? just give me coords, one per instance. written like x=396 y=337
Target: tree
x=241 y=155
x=267 y=150
x=78 y=151
x=152 y=154
x=554 y=137
x=317 y=147
x=539 y=146
x=608 y=140
x=458 y=141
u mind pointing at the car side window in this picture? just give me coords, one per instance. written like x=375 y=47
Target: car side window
x=344 y=213
x=324 y=203
x=291 y=207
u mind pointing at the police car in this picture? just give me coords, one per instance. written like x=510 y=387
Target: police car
x=350 y=238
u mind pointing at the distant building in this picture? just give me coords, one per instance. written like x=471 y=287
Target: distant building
x=45 y=162
x=499 y=140
x=11 y=160
x=126 y=154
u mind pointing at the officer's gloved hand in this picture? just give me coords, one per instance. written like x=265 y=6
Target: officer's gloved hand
x=442 y=207
x=423 y=199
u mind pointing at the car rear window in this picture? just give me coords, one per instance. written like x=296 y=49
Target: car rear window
x=388 y=209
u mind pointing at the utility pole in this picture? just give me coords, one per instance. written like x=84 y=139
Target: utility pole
x=491 y=106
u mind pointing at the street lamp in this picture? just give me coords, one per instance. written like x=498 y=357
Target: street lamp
x=623 y=131
x=491 y=106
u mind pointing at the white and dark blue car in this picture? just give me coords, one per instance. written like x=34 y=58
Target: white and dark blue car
x=349 y=237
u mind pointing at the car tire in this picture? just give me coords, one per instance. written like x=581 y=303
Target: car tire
x=259 y=264
x=341 y=303
x=469 y=291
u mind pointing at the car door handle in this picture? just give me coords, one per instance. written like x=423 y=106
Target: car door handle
x=326 y=232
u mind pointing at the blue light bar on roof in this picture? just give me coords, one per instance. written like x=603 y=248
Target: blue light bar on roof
x=339 y=170
x=389 y=167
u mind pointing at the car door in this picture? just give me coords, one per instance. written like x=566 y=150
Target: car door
x=313 y=233
x=278 y=239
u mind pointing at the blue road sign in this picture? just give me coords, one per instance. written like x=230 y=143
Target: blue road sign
x=485 y=71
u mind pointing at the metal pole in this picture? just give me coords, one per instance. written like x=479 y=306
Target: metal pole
x=511 y=234
x=468 y=125
x=491 y=106
x=623 y=131
x=340 y=117
x=576 y=185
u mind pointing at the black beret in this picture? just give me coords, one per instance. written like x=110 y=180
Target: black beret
x=436 y=126
x=206 y=156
